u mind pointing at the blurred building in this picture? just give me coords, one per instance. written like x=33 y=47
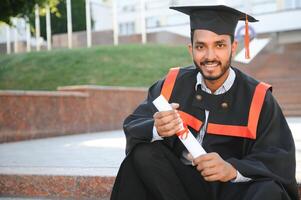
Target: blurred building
x=17 y=35
x=276 y=16
x=279 y=19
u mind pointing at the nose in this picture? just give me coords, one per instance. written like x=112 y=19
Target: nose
x=210 y=54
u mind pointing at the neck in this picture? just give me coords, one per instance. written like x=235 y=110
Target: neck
x=213 y=85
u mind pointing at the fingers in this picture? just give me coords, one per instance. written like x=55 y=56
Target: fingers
x=169 y=128
x=209 y=172
x=172 y=125
x=165 y=117
x=166 y=113
x=206 y=164
x=175 y=105
x=213 y=168
x=206 y=160
x=214 y=177
x=169 y=122
x=189 y=156
x=222 y=174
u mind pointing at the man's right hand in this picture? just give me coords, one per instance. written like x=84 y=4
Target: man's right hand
x=169 y=122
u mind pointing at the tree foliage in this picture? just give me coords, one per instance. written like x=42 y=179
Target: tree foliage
x=59 y=19
x=22 y=8
x=25 y=9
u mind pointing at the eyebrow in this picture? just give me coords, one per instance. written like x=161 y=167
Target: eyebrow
x=218 y=41
x=221 y=41
x=199 y=42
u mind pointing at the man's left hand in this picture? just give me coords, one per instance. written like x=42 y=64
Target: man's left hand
x=213 y=168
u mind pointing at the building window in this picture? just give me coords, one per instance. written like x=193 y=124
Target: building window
x=128 y=8
x=152 y=22
x=292 y=4
x=127 y=28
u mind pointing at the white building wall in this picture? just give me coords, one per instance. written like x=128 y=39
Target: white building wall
x=274 y=15
x=2 y=33
x=19 y=26
x=159 y=17
x=101 y=15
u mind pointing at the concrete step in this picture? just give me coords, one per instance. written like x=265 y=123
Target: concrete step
x=68 y=167
x=291 y=109
x=288 y=98
x=292 y=113
x=18 y=187
x=73 y=167
x=56 y=187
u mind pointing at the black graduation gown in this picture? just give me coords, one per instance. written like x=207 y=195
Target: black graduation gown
x=271 y=155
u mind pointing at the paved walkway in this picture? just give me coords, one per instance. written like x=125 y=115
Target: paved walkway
x=95 y=154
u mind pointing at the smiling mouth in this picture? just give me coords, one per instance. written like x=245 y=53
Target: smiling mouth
x=210 y=65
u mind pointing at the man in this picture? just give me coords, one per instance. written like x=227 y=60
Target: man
x=250 y=149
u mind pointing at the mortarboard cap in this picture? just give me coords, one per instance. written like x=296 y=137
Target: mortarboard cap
x=219 y=19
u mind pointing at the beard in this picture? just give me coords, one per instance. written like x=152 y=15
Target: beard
x=224 y=68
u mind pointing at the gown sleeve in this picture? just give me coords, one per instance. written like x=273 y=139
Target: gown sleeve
x=138 y=127
x=272 y=154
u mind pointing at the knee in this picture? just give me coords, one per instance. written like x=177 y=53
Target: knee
x=143 y=155
x=271 y=186
x=266 y=188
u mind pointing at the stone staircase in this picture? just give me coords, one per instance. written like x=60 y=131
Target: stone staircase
x=73 y=167
x=68 y=167
x=279 y=65
x=56 y=187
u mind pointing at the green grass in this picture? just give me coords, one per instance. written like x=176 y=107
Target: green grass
x=125 y=65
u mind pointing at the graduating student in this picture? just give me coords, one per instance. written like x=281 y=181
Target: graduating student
x=250 y=149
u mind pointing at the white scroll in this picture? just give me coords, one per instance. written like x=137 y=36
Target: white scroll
x=190 y=142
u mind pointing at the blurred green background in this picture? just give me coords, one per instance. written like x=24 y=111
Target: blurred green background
x=123 y=65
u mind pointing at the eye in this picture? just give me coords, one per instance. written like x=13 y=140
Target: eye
x=199 y=46
x=220 y=45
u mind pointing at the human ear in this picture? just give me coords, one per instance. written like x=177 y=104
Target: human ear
x=234 y=47
x=190 y=49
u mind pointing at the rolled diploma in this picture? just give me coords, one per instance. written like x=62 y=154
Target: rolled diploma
x=190 y=142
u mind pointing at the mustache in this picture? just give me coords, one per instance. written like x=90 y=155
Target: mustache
x=211 y=62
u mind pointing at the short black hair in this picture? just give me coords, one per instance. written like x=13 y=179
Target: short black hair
x=192 y=34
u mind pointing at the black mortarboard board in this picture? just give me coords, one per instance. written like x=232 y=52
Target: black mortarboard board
x=219 y=19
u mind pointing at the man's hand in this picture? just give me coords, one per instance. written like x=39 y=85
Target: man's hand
x=169 y=122
x=213 y=168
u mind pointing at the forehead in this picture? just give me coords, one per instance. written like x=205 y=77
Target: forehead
x=207 y=36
